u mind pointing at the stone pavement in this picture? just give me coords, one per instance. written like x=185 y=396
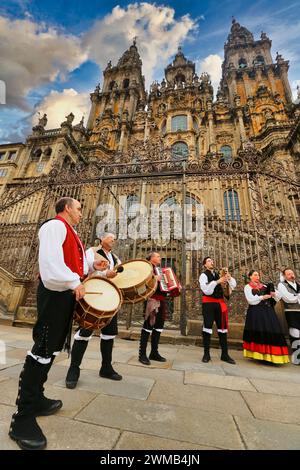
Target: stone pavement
x=182 y=404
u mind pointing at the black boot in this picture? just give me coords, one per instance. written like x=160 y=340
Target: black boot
x=206 y=343
x=24 y=429
x=107 y=371
x=78 y=350
x=46 y=406
x=143 y=347
x=223 y=343
x=154 y=354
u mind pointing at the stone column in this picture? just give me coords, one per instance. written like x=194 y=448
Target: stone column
x=94 y=100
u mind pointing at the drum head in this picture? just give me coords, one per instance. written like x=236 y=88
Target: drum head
x=134 y=273
x=101 y=294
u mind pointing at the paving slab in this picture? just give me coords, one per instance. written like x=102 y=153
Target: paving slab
x=282 y=373
x=261 y=435
x=67 y=434
x=172 y=422
x=276 y=387
x=56 y=373
x=20 y=343
x=6 y=443
x=200 y=397
x=6 y=412
x=219 y=381
x=135 y=441
x=274 y=407
x=9 y=361
x=73 y=400
x=130 y=387
x=209 y=368
x=169 y=375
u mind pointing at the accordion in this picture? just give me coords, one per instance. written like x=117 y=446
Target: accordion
x=169 y=283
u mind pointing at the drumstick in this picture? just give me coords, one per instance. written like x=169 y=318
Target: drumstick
x=94 y=293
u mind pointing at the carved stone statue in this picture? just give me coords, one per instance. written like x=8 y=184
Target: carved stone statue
x=40 y=127
x=43 y=121
x=69 y=120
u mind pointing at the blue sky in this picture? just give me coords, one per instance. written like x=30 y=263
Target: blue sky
x=53 y=52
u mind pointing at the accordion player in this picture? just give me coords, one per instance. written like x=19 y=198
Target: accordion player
x=169 y=283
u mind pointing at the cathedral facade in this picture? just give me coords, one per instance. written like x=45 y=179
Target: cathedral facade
x=236 y=157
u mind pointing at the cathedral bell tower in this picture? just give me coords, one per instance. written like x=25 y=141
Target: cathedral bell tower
x=113 y=108
x=248 y=64
x=255 y=86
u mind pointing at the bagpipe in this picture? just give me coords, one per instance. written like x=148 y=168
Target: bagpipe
x=225 y=285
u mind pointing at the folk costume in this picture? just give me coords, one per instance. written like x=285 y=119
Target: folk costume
x=263 y=338
x=214 y=309
x=82 y=337
x=290 y=294
x=63 y=263
x=156 y=310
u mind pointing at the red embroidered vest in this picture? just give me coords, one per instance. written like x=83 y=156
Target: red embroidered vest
x=73 y=249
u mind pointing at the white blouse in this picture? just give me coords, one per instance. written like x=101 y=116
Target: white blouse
x=256 y=299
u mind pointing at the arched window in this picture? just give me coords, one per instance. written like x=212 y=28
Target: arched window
x=48 y=151
x=179 y=123
x=36 y=154
x=180 y=78
x=242 y=63
x=259 y=60
x=180 y=151
x=132 y=201
x=231 y=205
x=112 y=84
x=126 y=83
x=227 y=153
x=170 y=201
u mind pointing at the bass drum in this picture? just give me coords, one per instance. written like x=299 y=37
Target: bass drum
x=101 y=302
x=137 y=281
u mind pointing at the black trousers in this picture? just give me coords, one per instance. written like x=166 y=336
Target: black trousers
x=54 y=320
x=110 y=330
x=212 y=313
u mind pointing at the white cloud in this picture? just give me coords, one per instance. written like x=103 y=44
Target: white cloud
x=295 y=84
x=32 y=55
x=212 y=64
x=156 y=28
x=57 y=105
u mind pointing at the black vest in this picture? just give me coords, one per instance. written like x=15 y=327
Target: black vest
x=218 y=292
x=291 y=289
x=102 y=253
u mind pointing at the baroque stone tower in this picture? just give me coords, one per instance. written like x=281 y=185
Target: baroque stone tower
x=113 y=108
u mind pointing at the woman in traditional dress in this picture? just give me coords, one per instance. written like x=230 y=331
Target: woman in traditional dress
x=263 y=338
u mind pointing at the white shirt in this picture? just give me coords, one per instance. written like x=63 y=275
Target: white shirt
x=209 y=287
x=54 y=273
x=256 y=299
x=287 y=296
x=109 y=256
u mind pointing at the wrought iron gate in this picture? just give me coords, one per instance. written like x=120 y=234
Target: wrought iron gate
x=250 y=219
